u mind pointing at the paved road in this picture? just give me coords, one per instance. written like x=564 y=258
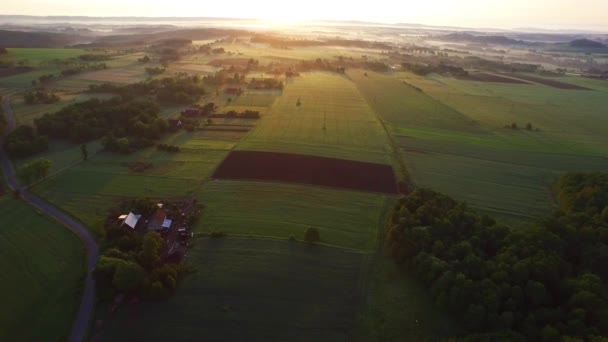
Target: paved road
x=81 y=323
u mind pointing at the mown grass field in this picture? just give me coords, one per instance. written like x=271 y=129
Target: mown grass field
x=257 y=289
x=398 y=308
x=333 y=120
x=343 y=218
x=42 y=275
x=399 y=104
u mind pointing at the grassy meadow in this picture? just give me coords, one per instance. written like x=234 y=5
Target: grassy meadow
x=265 y=289
x=344 y=218
x=42 y=275
x=453 y=139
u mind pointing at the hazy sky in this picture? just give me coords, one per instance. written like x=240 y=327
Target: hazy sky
x=577 y=14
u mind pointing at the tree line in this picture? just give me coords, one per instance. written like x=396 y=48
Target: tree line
x=534 y=283
x=180 y=89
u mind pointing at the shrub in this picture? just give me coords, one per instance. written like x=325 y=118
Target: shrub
x=312 y=235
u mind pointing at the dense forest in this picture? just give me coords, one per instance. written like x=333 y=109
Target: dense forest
x=94 y=118
x=24 y=142
x=181 y=89
x=538 y=283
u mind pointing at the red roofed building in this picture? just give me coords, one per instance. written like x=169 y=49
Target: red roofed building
x=157 y=220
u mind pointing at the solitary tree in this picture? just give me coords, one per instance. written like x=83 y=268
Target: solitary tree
x=529 y=126
x=85 y=153
x=312 y=235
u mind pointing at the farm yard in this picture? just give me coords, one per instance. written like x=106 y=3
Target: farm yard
x=42 y=274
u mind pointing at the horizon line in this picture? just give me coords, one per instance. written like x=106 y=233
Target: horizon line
x=521 y=28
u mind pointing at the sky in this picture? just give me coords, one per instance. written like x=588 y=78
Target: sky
x=553 y=14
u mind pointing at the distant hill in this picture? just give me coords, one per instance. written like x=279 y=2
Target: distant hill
x=498 y=40
x=22 y=39
x=587 y=43
x=148 y=38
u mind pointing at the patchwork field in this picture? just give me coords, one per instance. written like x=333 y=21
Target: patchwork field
x=462 y=148
x=267 y=290
x=333 y=120
x=399 y=104
x=42 y=274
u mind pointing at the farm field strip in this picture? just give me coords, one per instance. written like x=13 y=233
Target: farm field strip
x=399 y=104
x=344 y=218
x=332 y=120
x=548 y=82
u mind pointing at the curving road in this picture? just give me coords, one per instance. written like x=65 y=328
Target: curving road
x=81 y=323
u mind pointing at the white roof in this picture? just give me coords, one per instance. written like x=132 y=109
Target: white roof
x=131 y=220
x=122 y=217
x=167 y=224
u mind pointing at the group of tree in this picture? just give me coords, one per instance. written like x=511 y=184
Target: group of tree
x=24 y=142
x=167 y=148
x=534 y=283
x=40 y=96
x=179 y=89
x=126 y=124
x=132 y=263
x=425 y=69
x=34 y=170
x=82 y=68
x=155 y=71
x=144 y=59
x=94 y=57
x=528 y=127
x=266 y=83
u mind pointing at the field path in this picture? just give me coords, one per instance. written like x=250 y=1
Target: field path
x=81 y=322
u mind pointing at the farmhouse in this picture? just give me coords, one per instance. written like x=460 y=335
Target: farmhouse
x=129 y=220
x=159 y=220
x=233 y=91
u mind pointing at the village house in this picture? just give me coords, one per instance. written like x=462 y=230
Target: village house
x=130 y=220
x=159 y=220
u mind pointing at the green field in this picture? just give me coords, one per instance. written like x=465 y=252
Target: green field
x=266 y=290
x=344 y=218
x=42 y=274
x=397 y=308
x=453 y=140
x=40 y=57
x=89 y=189
x=399 y=104
x=333 y=121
